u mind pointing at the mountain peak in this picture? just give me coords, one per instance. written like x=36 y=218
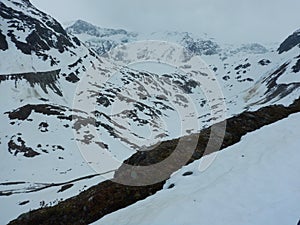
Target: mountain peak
x=80 y=22
x=81 y=26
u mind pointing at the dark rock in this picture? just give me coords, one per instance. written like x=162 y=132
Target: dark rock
x=76 y=63
x=24 y=112
x=264 y=62
x=171 y=186
x=296 y=67
x=187 y=173
x=242 y=66
x=44 y=79
x=226 y=78
x=72 y=78
x=65 y=187
x=44 y=125
x=76 y=40
x=24 y=203
x=104 y=101
x=3 y=42
x=15 y=149
x=289 y=43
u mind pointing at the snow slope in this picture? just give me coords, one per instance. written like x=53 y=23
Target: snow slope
x=253 y=182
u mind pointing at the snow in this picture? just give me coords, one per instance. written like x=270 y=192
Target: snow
x=49 y=168
x=253 y=182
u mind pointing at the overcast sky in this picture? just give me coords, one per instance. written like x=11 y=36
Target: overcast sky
x=229 y=20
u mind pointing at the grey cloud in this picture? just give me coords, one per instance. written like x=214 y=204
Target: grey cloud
x=228 y=20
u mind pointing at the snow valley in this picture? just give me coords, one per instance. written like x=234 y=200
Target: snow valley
x=66 y=113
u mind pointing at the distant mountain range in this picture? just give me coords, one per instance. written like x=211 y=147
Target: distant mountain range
x=103 y=39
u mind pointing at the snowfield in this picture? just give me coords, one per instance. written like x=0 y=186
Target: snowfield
x=253 y=182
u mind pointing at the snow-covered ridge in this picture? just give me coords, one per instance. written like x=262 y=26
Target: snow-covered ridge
x=103 y=39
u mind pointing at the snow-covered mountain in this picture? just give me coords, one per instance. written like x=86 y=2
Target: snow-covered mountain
x=238 y=67
x=62 y=99
x=102 y=39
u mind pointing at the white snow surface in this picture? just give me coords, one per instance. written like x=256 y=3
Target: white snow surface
x=253 y=182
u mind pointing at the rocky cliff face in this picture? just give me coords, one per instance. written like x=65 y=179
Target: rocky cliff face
x=292 y=41
x=32 y=31
x=34 y=42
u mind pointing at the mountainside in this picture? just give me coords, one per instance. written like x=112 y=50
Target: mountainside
x=254 y=174
x=32 y=40
x=112 y=195
x=267 y=75
x=41 y=60
x=69 y=108
x=236 y=67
